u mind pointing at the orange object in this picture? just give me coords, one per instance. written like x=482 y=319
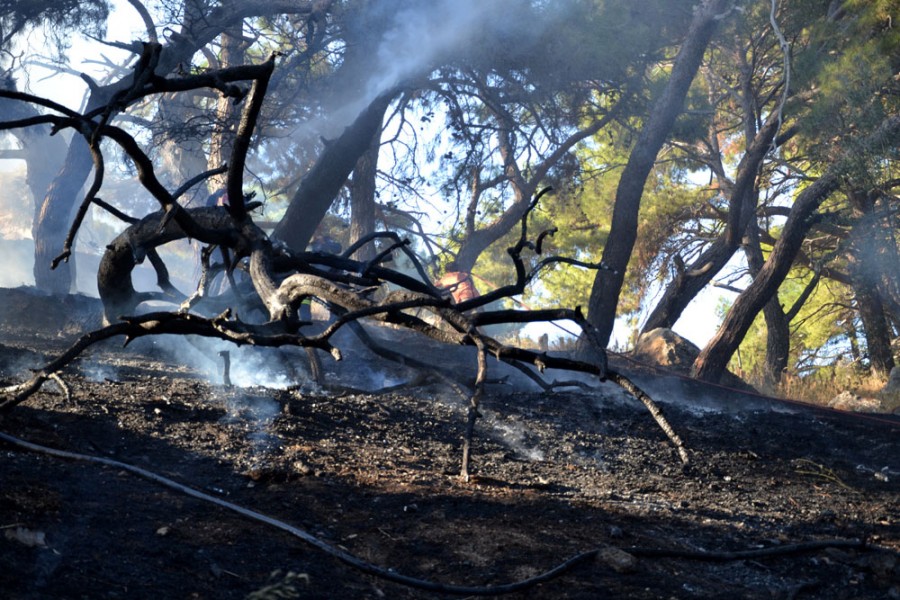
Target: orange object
x=459 y=284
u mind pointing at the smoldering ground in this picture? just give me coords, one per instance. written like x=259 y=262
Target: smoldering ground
x=554 y=474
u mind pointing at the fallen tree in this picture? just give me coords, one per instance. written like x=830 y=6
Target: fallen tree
x=269 y=281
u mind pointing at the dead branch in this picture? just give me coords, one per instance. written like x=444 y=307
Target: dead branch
x=282 y=279
x=474 y=401
x=654 y=410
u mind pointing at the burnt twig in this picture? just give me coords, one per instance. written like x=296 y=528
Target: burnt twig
x=474 y=401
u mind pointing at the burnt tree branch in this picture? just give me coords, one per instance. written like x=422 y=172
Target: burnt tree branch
x=282 y=279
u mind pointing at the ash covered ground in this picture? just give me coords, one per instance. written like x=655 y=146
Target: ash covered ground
x=371 y=468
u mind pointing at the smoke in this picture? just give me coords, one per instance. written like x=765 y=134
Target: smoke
x=250 y=366
x=14 y=362
x=98 y=371
x=515 y=435
x=422 y=35
x=426 y=34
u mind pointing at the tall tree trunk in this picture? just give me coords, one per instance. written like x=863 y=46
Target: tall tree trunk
x=181 y=157
x=713 y=359
x=43 y=153
x=623 y=228
x=778 y=330
x=227 y=113
x=889 y=275
x=850 y=330
x=878 y=338
x=362 y=198
x=865 y=260
x=53 y=216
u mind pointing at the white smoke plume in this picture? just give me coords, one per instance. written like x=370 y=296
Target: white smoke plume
x=424 y=35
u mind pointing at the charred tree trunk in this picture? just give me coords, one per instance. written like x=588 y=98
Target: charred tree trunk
x=623 y=228
x=362 y=198
x=321 y=185
x=53 y=216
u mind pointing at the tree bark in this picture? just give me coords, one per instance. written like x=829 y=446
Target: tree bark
x=623 y=228
x=44 y=154
x=53 y=215
x=713 y=359
x=878 y=339
x=181 y=157
x=227 y=114
x=865 y=259
x=778 y=330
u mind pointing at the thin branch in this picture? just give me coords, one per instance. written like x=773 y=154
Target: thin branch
x=149 y=26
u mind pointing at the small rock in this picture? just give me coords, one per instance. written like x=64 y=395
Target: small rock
x=616 y=559
x=893 y=383
x=28 y=537
x=301 y=468
x=847 y=400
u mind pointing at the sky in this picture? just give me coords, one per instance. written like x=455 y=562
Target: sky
x=68 y=88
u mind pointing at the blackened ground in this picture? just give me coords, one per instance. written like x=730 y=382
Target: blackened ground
x=375 y=474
